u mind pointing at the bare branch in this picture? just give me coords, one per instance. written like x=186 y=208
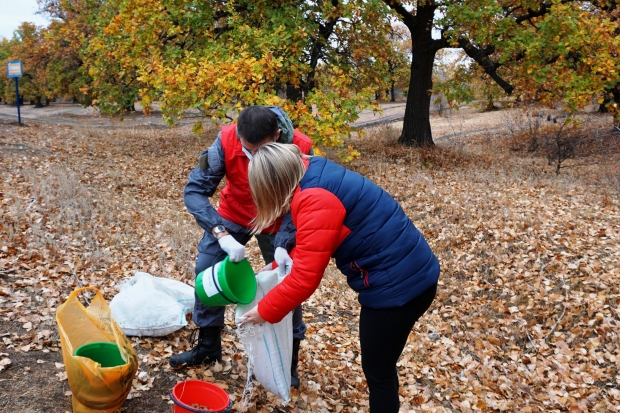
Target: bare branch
x=563 y=311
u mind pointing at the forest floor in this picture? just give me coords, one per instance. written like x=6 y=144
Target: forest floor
x=527 y=313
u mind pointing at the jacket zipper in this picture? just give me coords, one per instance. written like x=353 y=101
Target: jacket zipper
x=364 y=274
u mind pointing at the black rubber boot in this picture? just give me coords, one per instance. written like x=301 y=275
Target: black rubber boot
x=207 y=350
x=294 y=361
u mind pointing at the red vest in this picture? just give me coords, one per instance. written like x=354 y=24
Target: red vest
x=236 y=203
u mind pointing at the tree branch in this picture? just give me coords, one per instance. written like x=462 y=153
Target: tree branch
x=483 y=60
x=605 y=5
x=408 y=18
x=563 y=311
x=544 y=8
x=440 y=43
x=316 y=52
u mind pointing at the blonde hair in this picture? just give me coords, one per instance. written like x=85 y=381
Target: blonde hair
x=274 y=173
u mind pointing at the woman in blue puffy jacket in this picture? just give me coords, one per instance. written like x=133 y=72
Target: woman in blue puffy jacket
x=339 y=213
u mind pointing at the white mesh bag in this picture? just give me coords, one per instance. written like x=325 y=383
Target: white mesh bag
x=269 y=346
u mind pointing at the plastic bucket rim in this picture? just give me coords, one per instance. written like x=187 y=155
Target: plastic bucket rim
x=194 y=410
x=250 y=273
x=105 y=344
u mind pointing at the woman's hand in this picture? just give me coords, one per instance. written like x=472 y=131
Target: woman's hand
x=252 y=317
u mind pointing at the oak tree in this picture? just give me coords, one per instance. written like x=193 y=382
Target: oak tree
x=545 y=50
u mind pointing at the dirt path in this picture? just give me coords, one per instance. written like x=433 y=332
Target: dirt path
x=452 y=123
x=455 y=123
x=68 y=114
x=76 y=115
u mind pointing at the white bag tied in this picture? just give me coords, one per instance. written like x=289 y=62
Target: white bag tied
x=152 y=306
x=269 y=346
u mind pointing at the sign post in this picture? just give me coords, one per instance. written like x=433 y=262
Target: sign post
x=14 y=70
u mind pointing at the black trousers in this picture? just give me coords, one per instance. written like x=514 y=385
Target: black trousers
x=383 y=336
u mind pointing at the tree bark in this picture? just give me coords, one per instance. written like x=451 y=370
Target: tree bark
x=616 y=93
x=613 y=95
x=294 y=93
x=417 y=124
x=316 y=52
x=602 y=108
x=129 y=105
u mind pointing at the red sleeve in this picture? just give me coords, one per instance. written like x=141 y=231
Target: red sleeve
x=319 y=217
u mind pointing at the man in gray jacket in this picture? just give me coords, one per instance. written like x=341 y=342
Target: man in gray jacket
x=227 y=229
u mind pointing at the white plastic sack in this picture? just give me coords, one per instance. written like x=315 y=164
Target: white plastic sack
x=269 y=346
x=152 y=306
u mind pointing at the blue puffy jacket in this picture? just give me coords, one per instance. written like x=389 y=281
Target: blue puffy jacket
x=339 y=213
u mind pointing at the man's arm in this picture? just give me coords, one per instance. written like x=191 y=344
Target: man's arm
x=285 y=237
x=202 y=184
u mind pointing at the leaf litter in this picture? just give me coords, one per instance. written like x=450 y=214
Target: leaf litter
x=526 y=316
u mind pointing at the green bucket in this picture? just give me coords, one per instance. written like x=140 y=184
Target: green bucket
x=104 y=353
x=226 y=283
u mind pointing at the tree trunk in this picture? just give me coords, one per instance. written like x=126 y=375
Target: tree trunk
x=417 y=124
x=38 y=103
x=616 y=92
x=294 y=93
x=392 y=93
x=612 y=96
x=129 y=105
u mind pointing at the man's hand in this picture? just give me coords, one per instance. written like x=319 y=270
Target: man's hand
x=267 y=267
x=252 y=317
x=235 y=251
x=283 y=260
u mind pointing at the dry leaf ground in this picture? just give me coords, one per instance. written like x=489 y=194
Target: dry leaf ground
x=526 y=318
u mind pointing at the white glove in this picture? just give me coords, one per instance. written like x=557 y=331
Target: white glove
x=235 y=251
x=283 y=260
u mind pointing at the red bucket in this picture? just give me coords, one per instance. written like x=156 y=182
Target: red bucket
x=195 y=396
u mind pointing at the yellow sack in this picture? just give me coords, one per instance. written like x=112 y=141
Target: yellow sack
x=95 y=389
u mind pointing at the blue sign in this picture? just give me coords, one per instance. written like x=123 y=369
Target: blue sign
x=14 y=69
